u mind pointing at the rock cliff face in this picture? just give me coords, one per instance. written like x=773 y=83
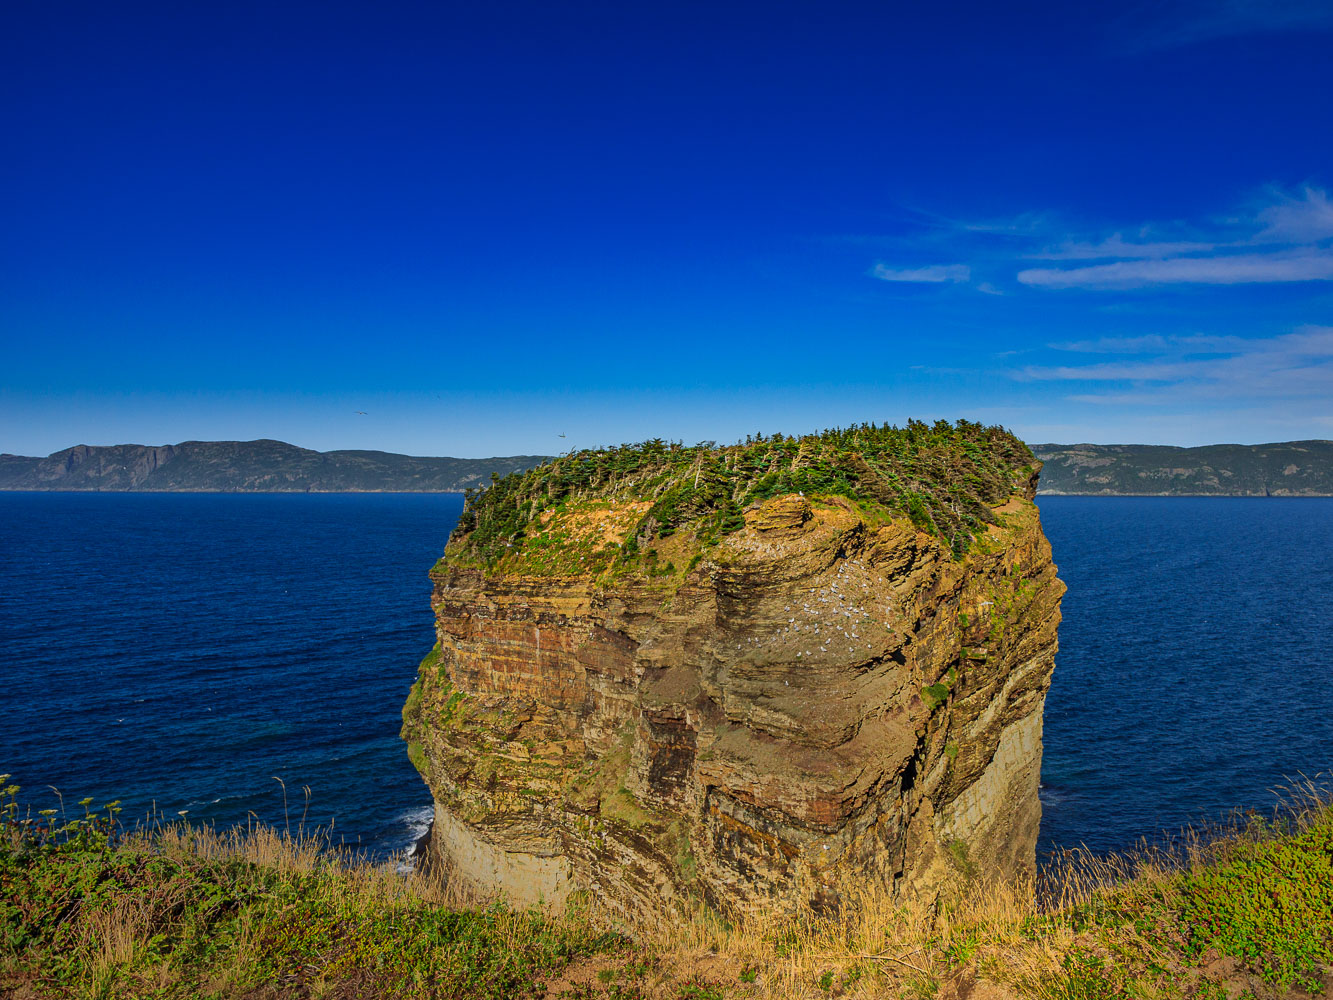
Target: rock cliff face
x=824 y=687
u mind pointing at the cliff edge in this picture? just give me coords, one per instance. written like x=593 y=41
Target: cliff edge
x=735 y=675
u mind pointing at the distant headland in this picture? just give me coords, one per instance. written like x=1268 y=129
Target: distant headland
x=249 y=467
x=1284 y=469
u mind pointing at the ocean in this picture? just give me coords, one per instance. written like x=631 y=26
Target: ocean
x=247 y=655
x=198 y=652
x=1192 y=679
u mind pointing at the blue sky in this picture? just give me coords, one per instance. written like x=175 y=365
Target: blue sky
x=486 y=225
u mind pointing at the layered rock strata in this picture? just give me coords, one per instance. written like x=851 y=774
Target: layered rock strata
x=826 y=690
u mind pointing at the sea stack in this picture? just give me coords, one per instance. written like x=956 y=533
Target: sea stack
x=736 y=675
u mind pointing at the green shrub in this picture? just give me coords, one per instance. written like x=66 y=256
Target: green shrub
x=1269 y=904
x=1086 y=977
x=935 y=695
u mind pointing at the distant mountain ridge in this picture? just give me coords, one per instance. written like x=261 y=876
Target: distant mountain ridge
x=262 y=466
x=1288 y=468
x=1282 y=469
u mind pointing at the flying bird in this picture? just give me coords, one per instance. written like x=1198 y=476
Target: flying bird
x=559 y=435
x=361 y=413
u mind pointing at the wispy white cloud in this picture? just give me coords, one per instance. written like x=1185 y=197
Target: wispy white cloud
x=1153 y=343
x=931 y=274
x=1280 y=236
x=1116 y=246
x=1280 y=369
x=1027 y=224
x=1188 y=22
x=1304 y=219
x=1234 y=269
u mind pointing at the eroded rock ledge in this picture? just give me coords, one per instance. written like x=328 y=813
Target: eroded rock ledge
x=829 y=688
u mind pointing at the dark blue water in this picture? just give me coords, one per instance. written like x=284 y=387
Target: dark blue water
x=1193 y=675
x=186 y=649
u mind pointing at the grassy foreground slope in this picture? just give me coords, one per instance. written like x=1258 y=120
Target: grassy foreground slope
x=89 y=911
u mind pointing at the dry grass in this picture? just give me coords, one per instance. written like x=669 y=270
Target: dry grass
x=171 y=910
x=1093 y=926
x=365 y=881
x=255 y=911
x=875 y=946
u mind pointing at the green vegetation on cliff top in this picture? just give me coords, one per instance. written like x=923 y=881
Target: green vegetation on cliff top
x=945 y=477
